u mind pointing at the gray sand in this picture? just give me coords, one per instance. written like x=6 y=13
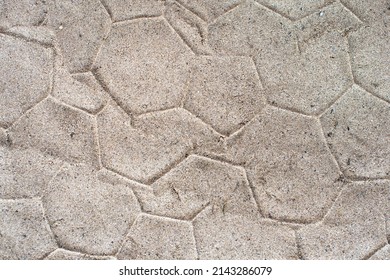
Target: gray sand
x=190 y=129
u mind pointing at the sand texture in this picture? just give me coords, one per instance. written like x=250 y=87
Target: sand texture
x=191 y=129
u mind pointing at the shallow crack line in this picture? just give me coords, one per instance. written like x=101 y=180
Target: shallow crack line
x=206 y=123
x=259 y=77
x=47 y=219
x=141 y=115
x=291 y=225
x=374 y=251
x=334 y=157
x=238 y=131
x=273 y=10
x=191 y=10
x=97 y=143
x=334 y=101
x=291 y=110
x=180 y=35
x=366 y=179
x=299 y=246
x=195 y=241
x=349 y=57
x=219 y=158
x=140 y=204
x=351 y=10
x=43 y=21
x=48 y=254
x=169 y=168
x=298 y=45
x=105 y=87
x=26 y=39
x=25 y=113
x=139 y=17
x=166 y=217
x=220 y=161
x=83 y=254
x=195 y=216
x=333 y=204
x=371 y=93
x=135 y=184
x=123 y=175
x=98 y=112
x=350 y=60
x=80 y=110
x=53 y=73
x=291 y=221
x=228 y=11
x=107 y=8
x=93 y=64
x=126 y=237
x=260 y=208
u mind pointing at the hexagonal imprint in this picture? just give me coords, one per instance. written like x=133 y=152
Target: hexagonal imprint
x=87 y=215
x=80 y=27
x=130 y=9
x=231 y=85
x=145 y=149
x=25 y=69
x=146 y=69
x=58 y=131
x=354 y=227
x=289 y=164
x=26 y=234
x=192 y=129
x=228 y=236
x=195 y=183
x=357 y=128
x=152 y=238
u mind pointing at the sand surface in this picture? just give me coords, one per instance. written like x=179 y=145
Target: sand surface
x=190 y=129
